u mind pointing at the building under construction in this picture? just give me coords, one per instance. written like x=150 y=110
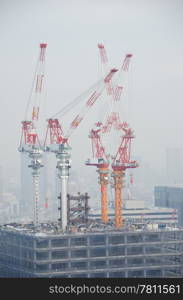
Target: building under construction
x=92 y=252
x=88 y=247
x=76 y=245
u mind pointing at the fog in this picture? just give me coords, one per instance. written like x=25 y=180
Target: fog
x=151 y=30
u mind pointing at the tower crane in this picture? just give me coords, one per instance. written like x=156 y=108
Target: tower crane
x=30 y=142
x=121 y=162
x=59 y=142
x=114 y=90
x=102 y=164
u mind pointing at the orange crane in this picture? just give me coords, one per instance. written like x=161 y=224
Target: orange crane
x=114 y=91
x=121 y=162
x=102 y=164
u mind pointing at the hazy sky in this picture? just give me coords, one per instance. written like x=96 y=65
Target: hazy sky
x=151 y=30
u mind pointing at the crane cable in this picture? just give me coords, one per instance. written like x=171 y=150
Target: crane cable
x=76 y=101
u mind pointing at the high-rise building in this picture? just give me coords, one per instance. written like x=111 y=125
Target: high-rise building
x=174 y=165
x=1 y=184
x=172 y=197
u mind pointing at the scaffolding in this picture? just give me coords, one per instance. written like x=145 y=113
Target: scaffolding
x=77 y=209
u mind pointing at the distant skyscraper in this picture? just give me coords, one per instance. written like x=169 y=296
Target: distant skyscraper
x=172 y=197
x=1 y=183
x=174 y=165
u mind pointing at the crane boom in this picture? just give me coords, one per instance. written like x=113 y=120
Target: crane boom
x=90 y=102
x=54 y=128
x=39 y=82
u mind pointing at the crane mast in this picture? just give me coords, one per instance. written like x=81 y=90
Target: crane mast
x=121 y=162
x=103 y=169
x=29 y=142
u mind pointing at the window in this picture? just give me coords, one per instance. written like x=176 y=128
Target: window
x=154 y=261
x=153 y=273
x=119 y=274
x=116 y=251
x=42 y=267
x=153 y=249
x=59 y=242
x=135 y=262
x=139 y=273
x=79 y=265
x=81 y=241
x=59 y=254
x=116 y=263
x=134 y=250
x=27 y=243
x=97 y=240
x=134 y=238
x=98 y=252
x=42 y=255
x=98 y=264
x=59 y=266
x=116 y=239
x=152 y=237
x=79 y=253
x=28 y=254
x=42 y=243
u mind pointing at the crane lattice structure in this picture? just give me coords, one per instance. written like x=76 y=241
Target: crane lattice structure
x=121 y=160
x=30 y=142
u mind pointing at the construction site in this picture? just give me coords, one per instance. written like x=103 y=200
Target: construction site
x=110 y=243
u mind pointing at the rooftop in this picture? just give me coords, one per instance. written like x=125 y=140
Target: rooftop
x=53 y=229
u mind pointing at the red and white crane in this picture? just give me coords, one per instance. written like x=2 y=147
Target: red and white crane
x=101 y=161
x=121 y=162
x=30 y=142
x=112 y=120
x=59 y=141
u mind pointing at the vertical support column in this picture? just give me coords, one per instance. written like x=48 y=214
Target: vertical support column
x=144 y=253
x=49 y=253
x=86 y=209
x=63 y=166
x=103 y=180
x=68 y=208
x=69 y=254
x=118 y=185
x=163 y=250
x=126 y=255
x=36 y=155
x=88 y=256
x=107 y=254
x=34 y=256
x=64 y=182
x=36 y=199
